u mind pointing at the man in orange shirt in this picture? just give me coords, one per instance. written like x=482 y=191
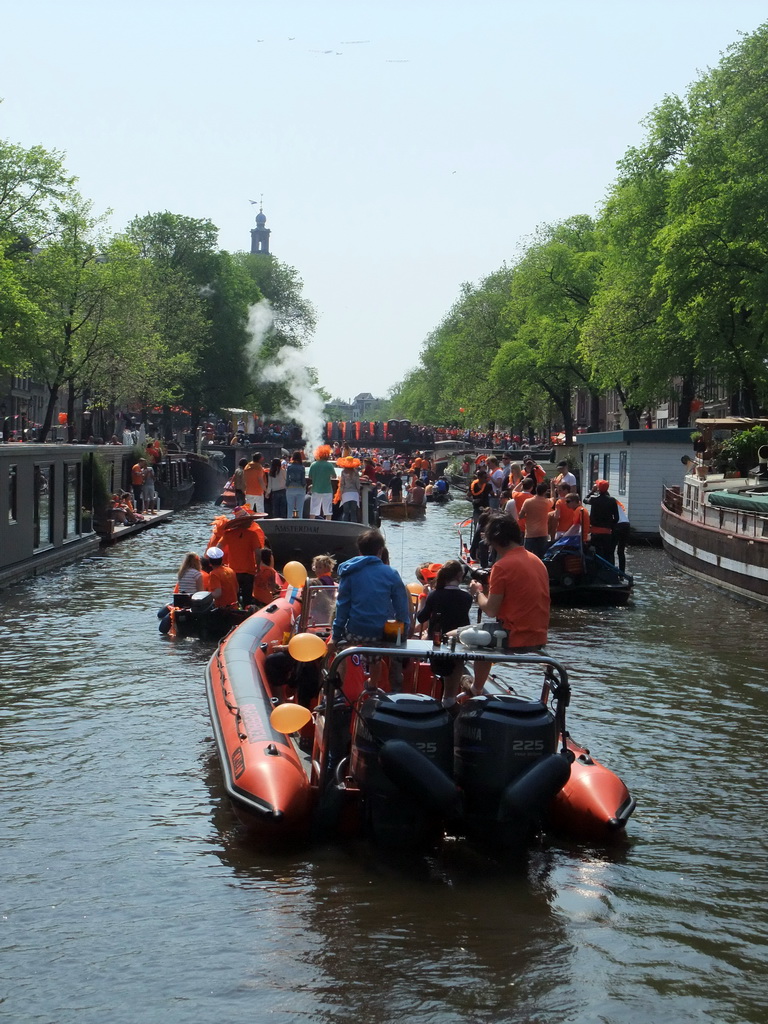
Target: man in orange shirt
x=137 y=483
x=254 y=476
x=535 y=515
x=241 y=540
x=518 y=593
x=222 y=581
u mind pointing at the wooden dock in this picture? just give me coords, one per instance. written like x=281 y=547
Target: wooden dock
x=117 y=532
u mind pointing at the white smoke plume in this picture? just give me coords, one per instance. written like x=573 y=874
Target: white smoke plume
x=289 y=368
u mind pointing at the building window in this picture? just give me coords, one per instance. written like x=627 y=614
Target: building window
x=13 y=478
x=606 y=467
x=622 y=472
x=594 y=470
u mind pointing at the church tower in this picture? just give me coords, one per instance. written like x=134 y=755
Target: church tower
x=260 y=235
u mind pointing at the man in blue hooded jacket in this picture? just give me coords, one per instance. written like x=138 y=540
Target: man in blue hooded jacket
x=370 y=592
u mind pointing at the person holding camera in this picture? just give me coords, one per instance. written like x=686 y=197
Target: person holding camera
x=517 y=594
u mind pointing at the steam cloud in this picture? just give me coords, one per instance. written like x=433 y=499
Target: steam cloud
x=289 y=368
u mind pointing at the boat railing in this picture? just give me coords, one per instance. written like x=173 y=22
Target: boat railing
x=672 y=499
x=555 y=682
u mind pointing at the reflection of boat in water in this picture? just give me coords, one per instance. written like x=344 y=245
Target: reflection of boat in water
x=392 y=763
x=401 y=510
x=579 y=576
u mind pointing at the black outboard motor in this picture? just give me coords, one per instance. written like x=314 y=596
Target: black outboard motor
x=506 y=764
x=401 y=759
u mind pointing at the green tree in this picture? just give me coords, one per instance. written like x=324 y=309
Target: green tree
x=552 y=289
x=629 y=346
x=714 y=250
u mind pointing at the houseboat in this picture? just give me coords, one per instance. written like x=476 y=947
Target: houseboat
x=715 y=527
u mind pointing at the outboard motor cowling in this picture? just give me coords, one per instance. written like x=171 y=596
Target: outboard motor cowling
x=401 y=759
x=498 y=739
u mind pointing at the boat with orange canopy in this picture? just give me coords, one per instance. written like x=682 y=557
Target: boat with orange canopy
x=313 y=750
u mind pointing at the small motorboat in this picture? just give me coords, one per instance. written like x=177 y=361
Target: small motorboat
x=400 y=510
x=309 y=752
x=578 y=576
x=196 y=615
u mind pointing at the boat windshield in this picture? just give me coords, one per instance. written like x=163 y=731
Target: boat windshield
x=319 y=605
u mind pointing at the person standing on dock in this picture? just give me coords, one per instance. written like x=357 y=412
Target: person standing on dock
x=137 y=483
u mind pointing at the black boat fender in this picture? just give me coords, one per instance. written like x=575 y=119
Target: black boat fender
x=529 y=795
x=420 y=779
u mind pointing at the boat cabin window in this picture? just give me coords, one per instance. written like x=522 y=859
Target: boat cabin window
x=72 y=499
x=43 y=505
x=622 y=473
x=320 y=605
x=594 y=470
x=12 y=493
x=606 y=467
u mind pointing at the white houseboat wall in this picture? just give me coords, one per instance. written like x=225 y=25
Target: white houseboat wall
x=637 y=464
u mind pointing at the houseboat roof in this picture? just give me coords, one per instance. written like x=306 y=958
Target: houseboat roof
x=731 y=423
x=668 y=435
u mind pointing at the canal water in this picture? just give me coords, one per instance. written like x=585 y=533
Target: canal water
x=130 y=895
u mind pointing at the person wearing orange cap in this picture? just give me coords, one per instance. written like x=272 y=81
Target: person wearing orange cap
x=604 y=518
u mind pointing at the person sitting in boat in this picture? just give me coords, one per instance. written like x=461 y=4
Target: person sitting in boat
x=266 y=585
x=441 y=485
x=322 y=569
x=370 y=594
x=517 y=593
x=323 y=597
x=416 y=494
x=395 y=492
x=222 y=581
x=449 y=604
x=189 y=578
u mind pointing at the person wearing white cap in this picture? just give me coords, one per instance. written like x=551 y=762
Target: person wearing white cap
x=222 y=581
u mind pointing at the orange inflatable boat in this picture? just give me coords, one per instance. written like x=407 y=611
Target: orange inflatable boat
x=308 y=749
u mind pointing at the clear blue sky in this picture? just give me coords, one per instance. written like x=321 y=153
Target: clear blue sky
x=402 y=147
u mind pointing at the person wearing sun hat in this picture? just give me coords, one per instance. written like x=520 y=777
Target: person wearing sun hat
x=349 y=488
x=604 y=518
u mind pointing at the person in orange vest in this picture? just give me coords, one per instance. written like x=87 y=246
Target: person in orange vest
x=222 y=581
x=137 y=483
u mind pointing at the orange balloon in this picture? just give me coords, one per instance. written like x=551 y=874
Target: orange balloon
x=295 y=574
x=306 y=647
x=287 y=718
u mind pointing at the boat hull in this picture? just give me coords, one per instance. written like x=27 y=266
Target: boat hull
x=299 y=540
x=264 y=775
x=719 y=555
